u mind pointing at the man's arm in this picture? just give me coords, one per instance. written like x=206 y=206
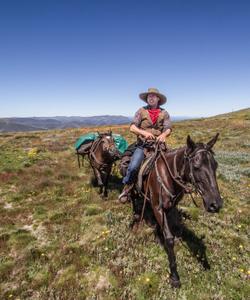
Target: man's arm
x=167 y=128
x=135 y=124
x=148 y=135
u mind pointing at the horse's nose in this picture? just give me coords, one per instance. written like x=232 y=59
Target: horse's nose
x=213 y=207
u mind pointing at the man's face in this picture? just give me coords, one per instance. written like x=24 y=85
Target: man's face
x=153 y=100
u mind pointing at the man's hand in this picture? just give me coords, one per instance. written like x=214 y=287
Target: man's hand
x=138 y=131
x=148 y=135
x=161 y=138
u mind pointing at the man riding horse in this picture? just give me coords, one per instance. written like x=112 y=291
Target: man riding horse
x=166 y=176
x=150 y=122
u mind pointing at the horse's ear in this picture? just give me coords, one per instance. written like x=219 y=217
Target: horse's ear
x=211 y=143
x=190 y=143
x=110 y=132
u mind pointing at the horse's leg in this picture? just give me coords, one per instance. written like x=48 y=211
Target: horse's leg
x=137 y=209
x=175 y=220
x=99 y=179
x=168 y=245
x=106 y=180
x=159 y=236
x=97 y=176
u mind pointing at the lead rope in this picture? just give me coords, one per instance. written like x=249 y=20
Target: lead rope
x=192 y=197
x=145 y=198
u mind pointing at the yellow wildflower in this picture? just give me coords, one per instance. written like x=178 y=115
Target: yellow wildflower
x=240 y=246
x=147 y=279
x=32 y=153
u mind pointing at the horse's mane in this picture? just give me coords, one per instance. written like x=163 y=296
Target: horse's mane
x=173 y=150
x=198 y=146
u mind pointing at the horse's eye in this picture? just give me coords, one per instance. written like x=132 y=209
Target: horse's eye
x=197 y=165
x=197 y=162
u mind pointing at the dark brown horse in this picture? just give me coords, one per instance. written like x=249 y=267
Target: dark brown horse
x=174 y=173
x=102 y=154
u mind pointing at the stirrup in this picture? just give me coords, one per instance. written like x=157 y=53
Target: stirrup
x=125 y=196
x=124 y=199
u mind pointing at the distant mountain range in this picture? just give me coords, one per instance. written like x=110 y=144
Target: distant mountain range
x=45 y=123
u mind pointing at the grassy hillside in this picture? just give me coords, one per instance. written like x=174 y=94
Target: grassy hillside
x=60 y=240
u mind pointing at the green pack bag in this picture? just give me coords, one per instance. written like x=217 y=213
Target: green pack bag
x=89 y=137
x=120 y=142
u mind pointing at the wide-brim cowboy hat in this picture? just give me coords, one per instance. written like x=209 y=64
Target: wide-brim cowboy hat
x=163 y=99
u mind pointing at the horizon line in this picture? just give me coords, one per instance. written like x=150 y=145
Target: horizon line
x=119 y=115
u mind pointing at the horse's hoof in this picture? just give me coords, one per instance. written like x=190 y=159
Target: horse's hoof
x=175 y=283
x=134 y=227
x=137 y=217
x=123 y=199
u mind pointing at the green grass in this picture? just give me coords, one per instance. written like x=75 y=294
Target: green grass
x=60 y=240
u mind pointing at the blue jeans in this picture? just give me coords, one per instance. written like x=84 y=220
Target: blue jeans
x=134 y=165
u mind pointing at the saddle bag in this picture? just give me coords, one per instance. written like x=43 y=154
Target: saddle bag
x=84 y=148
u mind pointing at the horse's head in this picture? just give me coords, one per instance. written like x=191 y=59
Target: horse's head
x=108 y=145
x=202 y=175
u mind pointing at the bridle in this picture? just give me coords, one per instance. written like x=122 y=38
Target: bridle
x=189 y=159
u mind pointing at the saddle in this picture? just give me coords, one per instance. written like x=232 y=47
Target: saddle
x=151 y=151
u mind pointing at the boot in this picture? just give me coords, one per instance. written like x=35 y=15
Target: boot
x=125 y=194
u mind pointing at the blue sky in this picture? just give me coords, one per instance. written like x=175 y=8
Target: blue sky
x=86 y=58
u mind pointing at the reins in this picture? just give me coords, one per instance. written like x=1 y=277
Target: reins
x=147 y=186
x=177 y=177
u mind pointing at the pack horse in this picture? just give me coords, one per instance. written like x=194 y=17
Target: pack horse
x=102 y=151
